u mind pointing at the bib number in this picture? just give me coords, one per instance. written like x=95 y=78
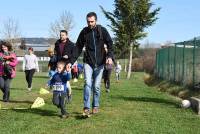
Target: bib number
x=58 y=87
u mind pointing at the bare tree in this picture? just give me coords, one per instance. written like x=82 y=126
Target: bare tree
x=64 y=22
x=11 y=31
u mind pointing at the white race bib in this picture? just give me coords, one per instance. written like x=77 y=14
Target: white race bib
x=58 y=87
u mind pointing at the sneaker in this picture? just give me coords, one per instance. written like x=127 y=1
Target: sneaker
x=64 y=116
x=107 y=90
x=75 y=80
x=86 y=113
x=95 y=110
x=29 y=88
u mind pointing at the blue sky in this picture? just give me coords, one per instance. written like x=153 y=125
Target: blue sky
x=178 y=19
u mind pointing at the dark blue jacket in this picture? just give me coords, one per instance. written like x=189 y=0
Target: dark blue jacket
x=60 y=79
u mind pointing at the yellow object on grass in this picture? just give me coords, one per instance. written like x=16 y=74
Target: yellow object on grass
x=43 y=91
x=81 y=76
x=39 y=102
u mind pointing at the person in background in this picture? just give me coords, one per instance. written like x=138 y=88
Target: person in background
x=107 y=73
x=80 y=71
x=63 y=47
x=30 y=65
x=52 y=63
x=8 y=62
x=75 y=72
x=118 y=69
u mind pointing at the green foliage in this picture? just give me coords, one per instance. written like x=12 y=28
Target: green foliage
x=129 y=20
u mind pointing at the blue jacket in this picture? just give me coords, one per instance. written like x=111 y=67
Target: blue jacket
x=60 y=79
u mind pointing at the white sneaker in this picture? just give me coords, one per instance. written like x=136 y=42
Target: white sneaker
x=29 y=89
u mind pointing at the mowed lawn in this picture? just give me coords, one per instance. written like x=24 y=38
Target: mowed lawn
x=130 y=108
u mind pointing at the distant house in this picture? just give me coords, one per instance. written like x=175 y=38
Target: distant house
x=39 y=45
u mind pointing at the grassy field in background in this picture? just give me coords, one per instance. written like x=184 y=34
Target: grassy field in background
x=131 y=107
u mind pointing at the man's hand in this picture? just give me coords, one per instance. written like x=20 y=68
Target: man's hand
x=65 y=56
x=109 y=61
x=68 y=67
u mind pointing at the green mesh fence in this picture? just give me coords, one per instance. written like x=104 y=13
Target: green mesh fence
x=180 y=63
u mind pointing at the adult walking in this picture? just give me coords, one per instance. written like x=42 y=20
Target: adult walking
x=30 y=65
x=63 y=47
x=93 y=37
x=8 y=62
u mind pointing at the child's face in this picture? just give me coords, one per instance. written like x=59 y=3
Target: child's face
x=51 y=54
x=60 y=68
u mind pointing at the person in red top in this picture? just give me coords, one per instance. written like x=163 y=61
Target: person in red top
x=8 y=62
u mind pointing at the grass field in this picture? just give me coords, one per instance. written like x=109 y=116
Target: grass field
x=130 y=108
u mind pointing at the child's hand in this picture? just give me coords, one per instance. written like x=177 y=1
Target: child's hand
x=7 y=62
x=68 y=67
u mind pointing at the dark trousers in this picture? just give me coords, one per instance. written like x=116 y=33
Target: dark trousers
x=5 y=87
x=59 y=99
x=29 y=76
x=106 y=77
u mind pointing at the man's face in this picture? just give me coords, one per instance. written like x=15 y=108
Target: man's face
x=91 y=21
x=63 y=36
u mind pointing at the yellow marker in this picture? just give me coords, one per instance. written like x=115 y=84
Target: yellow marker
x=43 y=91
x=39 y=102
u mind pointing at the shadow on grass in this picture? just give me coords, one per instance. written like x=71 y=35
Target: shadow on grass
x=148 y=99
x=20 y=101
x=41 y=112
x=79 y=116
x=77 y=88
x=38 y=76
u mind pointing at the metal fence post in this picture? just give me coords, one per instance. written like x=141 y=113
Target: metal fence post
x=175 y=63
x=194 y=61
x=168 y=66
x=183 y=71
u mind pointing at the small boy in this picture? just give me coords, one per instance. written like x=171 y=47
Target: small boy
x=60 y=88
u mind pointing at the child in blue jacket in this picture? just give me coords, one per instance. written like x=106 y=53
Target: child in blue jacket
x=59 y=85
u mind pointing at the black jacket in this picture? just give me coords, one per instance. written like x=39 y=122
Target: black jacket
x=93 y=40
x=68 y=48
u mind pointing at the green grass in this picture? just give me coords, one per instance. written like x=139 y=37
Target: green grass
x=130 y=107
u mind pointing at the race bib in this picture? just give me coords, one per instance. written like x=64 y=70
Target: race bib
x=58 y=87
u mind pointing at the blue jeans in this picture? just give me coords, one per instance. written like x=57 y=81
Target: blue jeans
x=92 y=78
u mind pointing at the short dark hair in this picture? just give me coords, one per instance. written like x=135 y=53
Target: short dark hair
x=7 y=44
x=90 y=14
x=30 y=48
x=64 y=31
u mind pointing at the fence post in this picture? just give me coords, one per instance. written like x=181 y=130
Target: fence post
x=183 y=71
x=175 y=63
x=156 y=68
x=159 y=63
x=194 y=61
x=168 y=66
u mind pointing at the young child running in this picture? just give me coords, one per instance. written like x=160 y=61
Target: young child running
x=60 y=89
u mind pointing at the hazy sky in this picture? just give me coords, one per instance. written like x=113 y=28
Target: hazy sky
x=179 y=20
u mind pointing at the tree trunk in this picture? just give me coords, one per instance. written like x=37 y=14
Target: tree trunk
x=130 y=61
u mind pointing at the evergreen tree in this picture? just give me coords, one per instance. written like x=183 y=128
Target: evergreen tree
x=128 y=22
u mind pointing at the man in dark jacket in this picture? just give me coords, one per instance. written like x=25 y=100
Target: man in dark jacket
x=92 y=38
x=63 y=47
